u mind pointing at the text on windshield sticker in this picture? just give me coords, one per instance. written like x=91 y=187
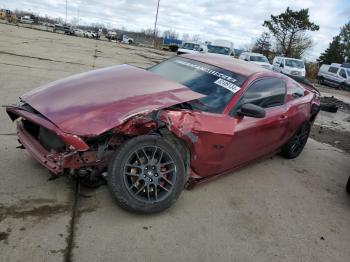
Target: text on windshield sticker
x=225 y=84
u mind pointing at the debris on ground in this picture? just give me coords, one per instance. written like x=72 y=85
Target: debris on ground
x=337 y=138
x=332 y=104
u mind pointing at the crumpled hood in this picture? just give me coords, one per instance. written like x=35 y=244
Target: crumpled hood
x=91 y=103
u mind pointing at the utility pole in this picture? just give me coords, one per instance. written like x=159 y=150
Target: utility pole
x=78 y=17
x=65 y=22
x=155 y=26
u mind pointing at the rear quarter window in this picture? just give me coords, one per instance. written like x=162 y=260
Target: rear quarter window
x=296 y=91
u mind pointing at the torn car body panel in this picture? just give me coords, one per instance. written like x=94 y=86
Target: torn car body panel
x=207 y=135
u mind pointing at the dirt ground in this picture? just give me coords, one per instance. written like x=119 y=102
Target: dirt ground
x=272 y=210
x=333 y=128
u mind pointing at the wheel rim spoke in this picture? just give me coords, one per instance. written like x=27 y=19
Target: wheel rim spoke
x=155 y=192
x=168 y=171
x=133 y=166
x=144 y=152
x=164 y=188
x=154 y=153
x=141 y=188
x=130 y=174
x=134 y=184
x=166 y=180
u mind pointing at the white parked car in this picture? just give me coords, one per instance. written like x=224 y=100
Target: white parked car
x=334 y=75
x=222 y=47
x=192 y=48
x=289 y=66
x=90 y=34
x=127 y=40
x=256 y=58
x=26 y=20
x=78 y=32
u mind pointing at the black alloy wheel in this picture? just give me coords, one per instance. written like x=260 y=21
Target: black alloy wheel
x=296 y=143
x=149 y=173
x=146 y=174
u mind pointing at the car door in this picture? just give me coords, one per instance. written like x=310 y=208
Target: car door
x=342 y=76
x=255 y=137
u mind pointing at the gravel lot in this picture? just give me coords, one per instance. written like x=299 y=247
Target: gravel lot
x=272 y=210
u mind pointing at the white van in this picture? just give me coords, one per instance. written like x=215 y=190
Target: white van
x=334 y=75
x=289 y=66
x=26 y=20
x=222 y=47
x=256 y=58
x=192 y=48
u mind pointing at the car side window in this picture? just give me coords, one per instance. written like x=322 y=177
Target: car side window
x=342 y=73
x=266 y=93
x=333 y=69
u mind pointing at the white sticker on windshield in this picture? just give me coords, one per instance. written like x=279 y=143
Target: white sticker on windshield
x=226 y=84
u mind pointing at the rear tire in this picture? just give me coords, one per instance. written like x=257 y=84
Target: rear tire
x=321 y=80
x=146 y=174
x=297 y=142
x=344 y=86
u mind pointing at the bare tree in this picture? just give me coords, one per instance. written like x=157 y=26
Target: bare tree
x=263 y=44
x=196 y=38
x=170 y=34
x=185 y=37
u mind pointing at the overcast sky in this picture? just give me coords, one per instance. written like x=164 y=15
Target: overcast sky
x=239 y=21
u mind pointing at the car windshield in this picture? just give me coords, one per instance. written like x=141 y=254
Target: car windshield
x=217 y=84
x=191 y=46
x=259 y=58
x=294 y=63
x=218 y=49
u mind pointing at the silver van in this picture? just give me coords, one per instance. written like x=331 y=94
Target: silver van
x=334 y=75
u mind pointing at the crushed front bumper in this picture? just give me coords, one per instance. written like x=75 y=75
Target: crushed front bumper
x=55 y=161
x=38 y=152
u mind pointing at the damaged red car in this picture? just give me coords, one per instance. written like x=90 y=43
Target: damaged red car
x=150 y=133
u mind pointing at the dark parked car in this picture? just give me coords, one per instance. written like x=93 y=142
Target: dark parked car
x=181 y=122
x=64 y=29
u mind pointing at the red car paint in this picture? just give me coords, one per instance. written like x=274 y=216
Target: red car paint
x=91 y=103
x=118 y=100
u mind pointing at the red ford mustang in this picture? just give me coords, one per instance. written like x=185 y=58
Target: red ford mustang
x=153 y=132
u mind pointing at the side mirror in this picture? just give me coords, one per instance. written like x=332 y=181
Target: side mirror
x=251 y=110
x=281 y=65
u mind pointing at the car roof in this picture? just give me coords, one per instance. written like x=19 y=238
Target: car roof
x=227 y=62
x=290 y=58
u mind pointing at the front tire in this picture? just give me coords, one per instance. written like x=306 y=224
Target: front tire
x=297 y=142
x=146 y=174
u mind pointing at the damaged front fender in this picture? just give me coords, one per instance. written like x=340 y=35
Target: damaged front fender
x=206 y=134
